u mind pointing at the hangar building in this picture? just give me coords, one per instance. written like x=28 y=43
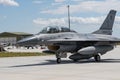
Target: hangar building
x=12 y=37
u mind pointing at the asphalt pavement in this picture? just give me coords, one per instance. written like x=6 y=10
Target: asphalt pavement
x=45 y=68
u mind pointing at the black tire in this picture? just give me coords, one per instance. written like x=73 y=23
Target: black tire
x=58 y=60
x=97 y=58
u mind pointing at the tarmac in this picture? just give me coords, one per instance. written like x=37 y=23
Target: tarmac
x=45 y=68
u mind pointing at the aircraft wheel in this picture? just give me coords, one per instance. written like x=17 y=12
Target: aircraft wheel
x=58 y=60
x=97 y=58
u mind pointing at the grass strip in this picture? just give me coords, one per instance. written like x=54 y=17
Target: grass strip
x=22 y=54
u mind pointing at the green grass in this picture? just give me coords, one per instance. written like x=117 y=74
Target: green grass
x=21 y=54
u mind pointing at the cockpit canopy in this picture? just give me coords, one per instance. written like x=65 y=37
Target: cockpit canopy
x=55 y=29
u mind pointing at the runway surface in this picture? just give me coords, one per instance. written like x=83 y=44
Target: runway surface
x=45 y=68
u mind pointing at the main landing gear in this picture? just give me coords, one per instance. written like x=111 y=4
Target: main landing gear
x=97 y=58
x=64 y=55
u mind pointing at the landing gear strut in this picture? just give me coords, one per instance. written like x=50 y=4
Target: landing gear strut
x=59 y=56
x=58 y=60
x=97 y=58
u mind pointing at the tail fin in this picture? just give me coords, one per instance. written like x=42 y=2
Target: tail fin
x=106 y=27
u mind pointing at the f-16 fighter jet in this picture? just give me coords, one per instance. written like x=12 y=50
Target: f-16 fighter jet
x=62 y=40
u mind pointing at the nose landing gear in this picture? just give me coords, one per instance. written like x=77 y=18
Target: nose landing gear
x=58 y=60
x=59 y=56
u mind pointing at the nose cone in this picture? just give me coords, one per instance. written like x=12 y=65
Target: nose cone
x=30 y=41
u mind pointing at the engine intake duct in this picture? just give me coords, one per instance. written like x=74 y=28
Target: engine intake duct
x=53 y=48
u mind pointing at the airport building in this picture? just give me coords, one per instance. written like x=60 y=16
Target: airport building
x=12 y=37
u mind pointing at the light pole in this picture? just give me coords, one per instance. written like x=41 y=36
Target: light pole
x=68 y=16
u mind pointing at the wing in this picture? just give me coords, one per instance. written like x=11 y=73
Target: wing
x=87 y=40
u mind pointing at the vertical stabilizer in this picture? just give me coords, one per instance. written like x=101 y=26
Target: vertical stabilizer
x=106 y=27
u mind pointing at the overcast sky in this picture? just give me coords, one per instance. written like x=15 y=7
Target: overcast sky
x=32 y=15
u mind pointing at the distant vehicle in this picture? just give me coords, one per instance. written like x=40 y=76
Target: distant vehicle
x=4 y=44
x=62 y=40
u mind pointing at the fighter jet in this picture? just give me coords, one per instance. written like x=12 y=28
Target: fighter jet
x=62 y=40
